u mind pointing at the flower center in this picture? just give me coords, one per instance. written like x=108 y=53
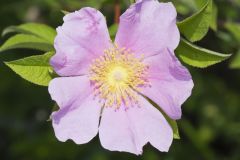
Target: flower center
x=117 y=76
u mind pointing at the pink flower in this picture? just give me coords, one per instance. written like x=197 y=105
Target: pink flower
x=104 y=85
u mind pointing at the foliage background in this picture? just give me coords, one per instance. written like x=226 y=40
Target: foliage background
x=209 y=129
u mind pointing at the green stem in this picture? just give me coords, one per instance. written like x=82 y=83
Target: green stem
x=117 y=11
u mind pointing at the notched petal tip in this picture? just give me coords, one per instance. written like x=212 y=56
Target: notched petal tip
x=77 y=122
x=82 y=37
x=86 y=12
x=147 y=27
x=130 y=130
x=171 y=83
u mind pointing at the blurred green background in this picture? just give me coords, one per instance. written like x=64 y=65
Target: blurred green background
x=209 y=128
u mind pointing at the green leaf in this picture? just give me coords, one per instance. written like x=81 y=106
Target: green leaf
x=40 y=30
x=234 y=29
x=235 y=64
x=35 y=69
x=194 y=28
x=26 y=41
x=171 y=122
x=197 y=56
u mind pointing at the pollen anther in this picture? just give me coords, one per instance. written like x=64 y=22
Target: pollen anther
x=117 y=75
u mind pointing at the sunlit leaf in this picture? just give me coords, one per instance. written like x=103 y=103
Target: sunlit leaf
x=194 y=28
x=35 y=69
x=41 y=30
x=26 y=41
x=197 y=56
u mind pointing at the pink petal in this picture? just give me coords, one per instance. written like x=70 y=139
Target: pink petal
x=82 y=37
x=171 y=83
x=115 y=131
x=78 y=122
x=78 y=116
x=129 y=130
x=147 y=27
x=66 y=90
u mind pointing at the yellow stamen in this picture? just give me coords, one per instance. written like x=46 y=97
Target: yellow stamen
x=117 y=75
